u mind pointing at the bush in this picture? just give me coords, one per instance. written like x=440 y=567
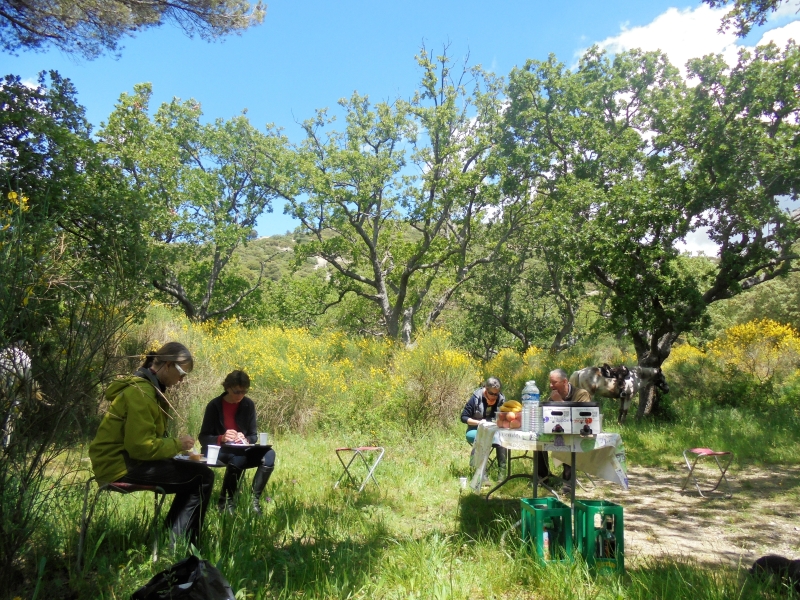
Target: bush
x=437 y=381
x=744 y=366
x=302 y=381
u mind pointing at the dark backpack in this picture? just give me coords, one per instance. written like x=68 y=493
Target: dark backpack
x=189 y=579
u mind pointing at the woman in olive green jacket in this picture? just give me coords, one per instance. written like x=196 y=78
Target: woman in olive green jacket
x=131 y=443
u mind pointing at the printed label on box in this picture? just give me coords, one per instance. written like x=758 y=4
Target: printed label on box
x=557 y=419
x=586 y=420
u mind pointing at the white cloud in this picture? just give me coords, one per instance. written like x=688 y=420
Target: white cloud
x=781 y=35
x=680 y=34
x=694 y=32
x=787 y=9
x=697 y=242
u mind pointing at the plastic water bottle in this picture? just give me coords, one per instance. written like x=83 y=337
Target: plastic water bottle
x=531 y=410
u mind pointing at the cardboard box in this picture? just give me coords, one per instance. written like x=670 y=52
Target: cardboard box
x=588 y=417
x=556 y=419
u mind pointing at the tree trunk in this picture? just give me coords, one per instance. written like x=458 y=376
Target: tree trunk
x=648 y=401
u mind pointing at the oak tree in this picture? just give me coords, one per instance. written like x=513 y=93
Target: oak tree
x=404 y=203
x=635 y=159
x=206 y=184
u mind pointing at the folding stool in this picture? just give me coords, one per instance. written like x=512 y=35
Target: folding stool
x=723 y=468
x=360 y=452
x=121 y=488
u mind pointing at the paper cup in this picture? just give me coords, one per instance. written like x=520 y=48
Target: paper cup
x=213 y=454
x=463 y=482
x=262 y=439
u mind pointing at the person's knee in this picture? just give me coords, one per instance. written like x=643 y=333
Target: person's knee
x=237 y=463
x=471 y=436
x=208 y=478
x=269 y=460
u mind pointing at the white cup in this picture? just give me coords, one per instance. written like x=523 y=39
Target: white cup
x=463 y=482
x=213 y=454
x=262 y=438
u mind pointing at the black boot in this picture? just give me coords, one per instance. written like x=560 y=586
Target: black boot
x=226 y=503
x=259 y=483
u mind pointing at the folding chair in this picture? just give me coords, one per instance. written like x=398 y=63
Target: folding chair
x=121 y=488
x=723 y=468
x=359 y=452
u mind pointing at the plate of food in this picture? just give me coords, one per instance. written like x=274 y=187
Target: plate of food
x=191 y=457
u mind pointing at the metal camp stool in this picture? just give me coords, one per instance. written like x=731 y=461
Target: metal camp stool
x=361 y=452
x=723 y=468
x=121 y=488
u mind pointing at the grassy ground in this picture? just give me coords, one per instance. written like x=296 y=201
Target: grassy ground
x=416 y=536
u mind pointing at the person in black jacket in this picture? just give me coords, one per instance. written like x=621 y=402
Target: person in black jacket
x=483 y=406
x=230 y=419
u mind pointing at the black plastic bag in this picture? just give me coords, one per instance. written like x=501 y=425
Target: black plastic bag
x=189 y=579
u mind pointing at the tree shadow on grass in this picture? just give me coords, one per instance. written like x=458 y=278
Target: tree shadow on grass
x=479 y=518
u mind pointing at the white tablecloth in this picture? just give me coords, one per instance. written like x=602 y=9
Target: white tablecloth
x=602 y=455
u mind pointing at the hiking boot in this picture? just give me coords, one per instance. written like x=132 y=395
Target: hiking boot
x=259 y=483
x=227 y=505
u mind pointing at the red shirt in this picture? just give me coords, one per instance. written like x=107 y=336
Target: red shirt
x=228 y=418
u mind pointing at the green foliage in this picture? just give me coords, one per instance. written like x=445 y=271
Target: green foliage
x=777 y=300
x=89 y=28
x=73 y=256
x=404 y=239
x=746 y=13
x=206 y=186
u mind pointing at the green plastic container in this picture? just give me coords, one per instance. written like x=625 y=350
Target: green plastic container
x=540 y=515
x=600 y=535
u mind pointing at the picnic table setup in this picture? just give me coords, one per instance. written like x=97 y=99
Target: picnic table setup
x=547 y=523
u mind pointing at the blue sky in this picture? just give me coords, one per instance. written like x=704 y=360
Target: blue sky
x=308 y=54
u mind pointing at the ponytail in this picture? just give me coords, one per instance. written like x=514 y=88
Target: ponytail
x=170 y=352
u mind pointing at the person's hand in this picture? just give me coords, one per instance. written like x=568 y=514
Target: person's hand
x=186 y=442
x=240 y=438
x=231 y=436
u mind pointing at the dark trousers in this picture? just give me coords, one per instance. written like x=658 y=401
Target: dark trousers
x=543 y=459
x=237 y=465
x=192 y=484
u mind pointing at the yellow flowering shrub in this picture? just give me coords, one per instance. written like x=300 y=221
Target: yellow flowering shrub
x=506 y=366
x=741 y=366
x=761 y=348
x=436 y=380
x=302 y=380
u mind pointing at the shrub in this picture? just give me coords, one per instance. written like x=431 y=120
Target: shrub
x=437 y=380
x=742 y=367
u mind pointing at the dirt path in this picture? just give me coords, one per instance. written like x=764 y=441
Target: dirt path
x=761 y=517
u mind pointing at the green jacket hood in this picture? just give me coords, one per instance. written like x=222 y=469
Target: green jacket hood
x=133 y=429
x=115 y=388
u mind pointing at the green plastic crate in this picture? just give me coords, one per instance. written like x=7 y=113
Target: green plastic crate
x=536 y=513
x=606 y=554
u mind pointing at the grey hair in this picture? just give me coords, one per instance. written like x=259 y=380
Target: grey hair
x=562 y=374
x=493 y=383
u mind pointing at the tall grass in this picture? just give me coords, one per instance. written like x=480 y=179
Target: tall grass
x=417 y=535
